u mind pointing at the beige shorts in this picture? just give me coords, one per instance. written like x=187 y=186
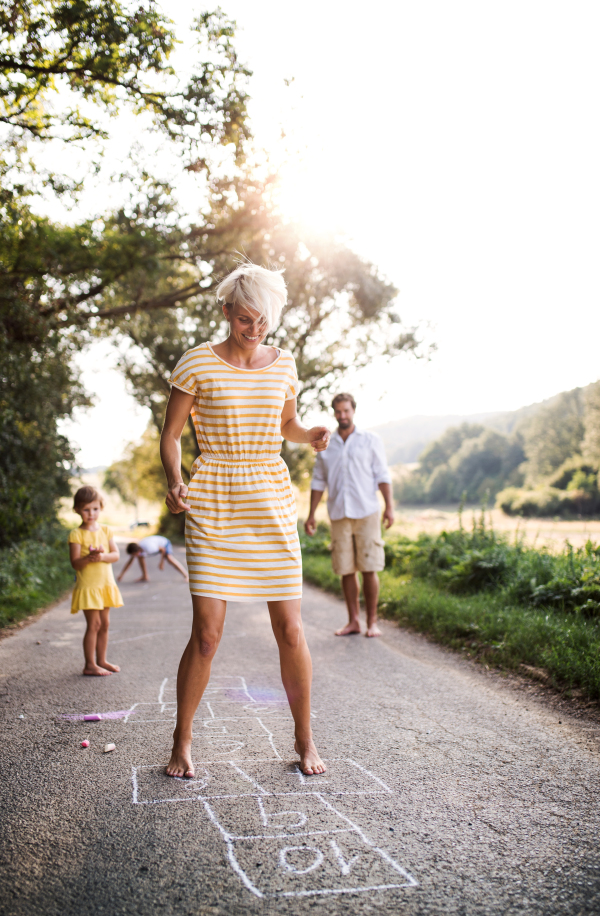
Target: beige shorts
x=357 y=545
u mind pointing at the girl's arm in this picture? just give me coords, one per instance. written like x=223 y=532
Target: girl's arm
x=292 y=430
x=113 y=555
x=77 y=561
x=178 y=410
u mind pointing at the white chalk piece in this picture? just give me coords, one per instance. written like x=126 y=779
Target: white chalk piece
x=93 y=717
x=109 y=747
x=85 y=743
x=21 y=716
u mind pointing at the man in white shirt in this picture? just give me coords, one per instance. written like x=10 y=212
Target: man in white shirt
x=352 y=470
x=149 y=547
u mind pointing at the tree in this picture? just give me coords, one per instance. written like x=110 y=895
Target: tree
x=63 y=67
x=553 y=435
x=110 y=54
x=591 y=422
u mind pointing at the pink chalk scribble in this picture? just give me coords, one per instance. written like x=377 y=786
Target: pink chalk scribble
x=120 y=714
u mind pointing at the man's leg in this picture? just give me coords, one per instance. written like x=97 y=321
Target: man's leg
x=343 y=562
x=192 y=677
x=296 y=674
x=351 y=594
x=371 y=592
x=171 y=559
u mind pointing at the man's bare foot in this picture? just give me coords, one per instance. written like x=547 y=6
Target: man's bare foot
x=142 y=579
x=310 y=762
x=109 y=666
x=180 y=763
x=373 y=630
x=349 y=630
x=95 y=671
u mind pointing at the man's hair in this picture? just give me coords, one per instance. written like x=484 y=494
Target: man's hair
x=133 y=547
x=344 y=396
x=85 y=496
x=251 y=286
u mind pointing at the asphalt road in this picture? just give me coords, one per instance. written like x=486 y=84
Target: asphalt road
x=447 y=792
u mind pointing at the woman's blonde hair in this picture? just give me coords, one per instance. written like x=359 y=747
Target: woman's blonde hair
x=251 y=286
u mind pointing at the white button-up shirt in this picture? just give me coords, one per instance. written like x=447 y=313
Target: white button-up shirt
x=351 y=472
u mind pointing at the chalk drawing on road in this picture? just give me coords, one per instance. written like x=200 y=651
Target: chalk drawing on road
x=284 y=835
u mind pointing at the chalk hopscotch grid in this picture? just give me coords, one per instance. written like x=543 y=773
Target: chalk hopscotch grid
x=260 y=794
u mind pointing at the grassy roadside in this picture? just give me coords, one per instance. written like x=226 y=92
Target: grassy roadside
x=34 y=574
x=487 y=625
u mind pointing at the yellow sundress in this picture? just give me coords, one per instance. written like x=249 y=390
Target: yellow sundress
x=95 y=587
x=241 y=535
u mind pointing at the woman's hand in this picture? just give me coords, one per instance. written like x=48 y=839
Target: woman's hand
x=319 y=437
x=175 y=497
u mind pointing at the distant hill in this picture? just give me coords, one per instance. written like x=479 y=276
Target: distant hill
x=404 y=440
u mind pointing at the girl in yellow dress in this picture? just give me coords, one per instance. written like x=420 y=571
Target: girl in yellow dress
x=92 y=550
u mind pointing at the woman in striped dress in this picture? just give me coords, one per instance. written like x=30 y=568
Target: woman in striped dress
x=241 y=537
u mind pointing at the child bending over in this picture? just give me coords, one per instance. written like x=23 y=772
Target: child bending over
x=149 y=547
x=93 y=550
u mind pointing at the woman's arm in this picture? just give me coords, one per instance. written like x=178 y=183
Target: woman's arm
x=292 y=430
x=178 y=410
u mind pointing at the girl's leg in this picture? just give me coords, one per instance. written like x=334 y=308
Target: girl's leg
x=192 y=677
x=90 y=640
x=102 y=641
x=296 y=674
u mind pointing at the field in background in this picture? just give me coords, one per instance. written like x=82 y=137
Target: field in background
x=538 y=532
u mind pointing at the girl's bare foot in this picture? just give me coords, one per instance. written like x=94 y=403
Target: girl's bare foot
x=310 y=762
x=109 y=666
x=373 y=630
x=95 y=671
x=349 y=630
x=180 y=763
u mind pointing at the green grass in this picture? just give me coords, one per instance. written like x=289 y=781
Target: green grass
x=486 y=624
x=34 y=573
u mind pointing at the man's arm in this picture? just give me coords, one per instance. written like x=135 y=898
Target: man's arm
x=388 y=514
x=310 y=524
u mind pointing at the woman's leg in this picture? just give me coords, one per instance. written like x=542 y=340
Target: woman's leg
x=102 y=641
x=90 y=640
x=192 y=677
x=296 y=674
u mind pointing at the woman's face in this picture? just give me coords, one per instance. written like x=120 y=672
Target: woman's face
x=247 y=328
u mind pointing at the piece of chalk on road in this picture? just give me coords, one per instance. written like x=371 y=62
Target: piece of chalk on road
x=109 y=747
x=93 y=717
x=21 y=716
x=85 y=743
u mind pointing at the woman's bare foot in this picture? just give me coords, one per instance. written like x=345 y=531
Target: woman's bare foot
x=310 y=762
x=180 y=763
x=95 y=671
x=373 y=630
x=109 y=666
x=349 y=630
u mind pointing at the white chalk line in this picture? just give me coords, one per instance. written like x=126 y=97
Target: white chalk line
x=342 y=890
x=286 y=836
x=368 y=772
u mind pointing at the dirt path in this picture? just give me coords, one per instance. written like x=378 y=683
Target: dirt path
x=446 y=792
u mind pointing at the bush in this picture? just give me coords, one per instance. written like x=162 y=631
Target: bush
x=547 y=502
x=34 y=573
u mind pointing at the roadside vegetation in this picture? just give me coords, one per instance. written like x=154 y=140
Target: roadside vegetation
x=490 y=597
x=545 y=462
x=34 y=573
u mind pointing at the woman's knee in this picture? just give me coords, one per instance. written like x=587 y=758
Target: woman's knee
x=289 y=633
x=206 y=642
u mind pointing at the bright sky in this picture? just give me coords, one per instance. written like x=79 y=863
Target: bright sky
x=457 y=145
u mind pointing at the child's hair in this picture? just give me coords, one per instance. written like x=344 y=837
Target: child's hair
x=132 y=548
x=86 y=495
x=251 y=286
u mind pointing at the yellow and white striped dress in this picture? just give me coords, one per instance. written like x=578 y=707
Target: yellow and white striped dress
x=241 y=535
